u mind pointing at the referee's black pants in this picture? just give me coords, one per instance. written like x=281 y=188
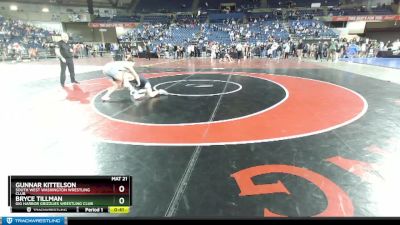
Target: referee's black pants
x=70 y=64
x=148 y=55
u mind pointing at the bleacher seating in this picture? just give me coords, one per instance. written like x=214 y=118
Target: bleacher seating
x=240 y=4
x=367 y=11
x=381 y=11
x=275 y=29
x=117 y=19
x=218 y=35
x=24 y=34
x=203 y=17
x=17 y=37
x=301 y=3
x=220 y=17
x=180 y=35
x=184 y=18
x=252 y=16
x=311 y=29
x=157 y=19
x=152 y=6
x=315 y=12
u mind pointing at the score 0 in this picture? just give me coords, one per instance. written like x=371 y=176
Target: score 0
x=121 y=189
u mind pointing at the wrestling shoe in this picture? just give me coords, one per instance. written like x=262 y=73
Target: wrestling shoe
x=105 y=98
x=162 y=92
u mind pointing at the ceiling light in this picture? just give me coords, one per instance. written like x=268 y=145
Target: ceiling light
x=13 y=7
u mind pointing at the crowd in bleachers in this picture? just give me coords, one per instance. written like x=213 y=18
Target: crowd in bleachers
x=331 y=50
x=342 y=48
x=259 y=37
x=147 y=6
x=217 y=14
x=369 y=48
x=19 y=41
x=300 y=3
x=18 y=38
x=361 y=10
x=134 y=18
x=241 y=5
x=187 y=19
x=157 y=18
x=259 y=34
x=310 y=29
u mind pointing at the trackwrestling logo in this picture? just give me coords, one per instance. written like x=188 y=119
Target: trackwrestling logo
x=34 y=220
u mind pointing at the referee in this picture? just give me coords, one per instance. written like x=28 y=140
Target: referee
x=64 y=54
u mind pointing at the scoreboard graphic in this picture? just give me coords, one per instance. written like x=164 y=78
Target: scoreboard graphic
x=70 y=194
